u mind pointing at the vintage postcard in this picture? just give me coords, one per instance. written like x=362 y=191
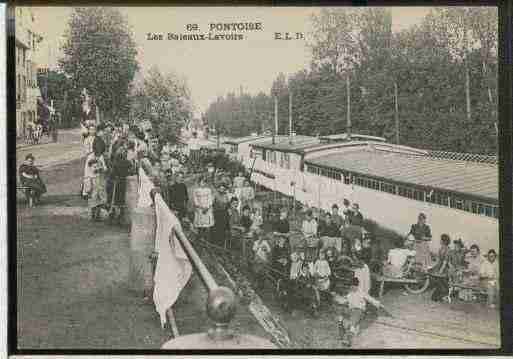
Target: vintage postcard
x=257 y=178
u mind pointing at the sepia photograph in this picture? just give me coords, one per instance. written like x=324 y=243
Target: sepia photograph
x=257 y=178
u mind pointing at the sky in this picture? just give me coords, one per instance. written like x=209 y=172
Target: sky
x=212 y=68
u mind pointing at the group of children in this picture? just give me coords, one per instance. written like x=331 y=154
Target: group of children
x=313 y=261
x=227 y=214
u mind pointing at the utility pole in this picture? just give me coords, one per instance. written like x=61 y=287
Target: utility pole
x=218 y=134
x=396 y=115
x=348 y=91
x=290 y=116
x=275 y=132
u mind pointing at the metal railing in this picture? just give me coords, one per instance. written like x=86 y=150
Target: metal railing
x=221 y=302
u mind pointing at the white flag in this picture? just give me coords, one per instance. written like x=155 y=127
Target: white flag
x=145 y=187
x=173 y=268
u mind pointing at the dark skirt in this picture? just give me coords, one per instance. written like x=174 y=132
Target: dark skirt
x=221 y=227
x=35 y=185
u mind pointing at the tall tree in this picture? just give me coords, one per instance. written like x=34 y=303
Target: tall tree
x=165 y=100
x=100 y=55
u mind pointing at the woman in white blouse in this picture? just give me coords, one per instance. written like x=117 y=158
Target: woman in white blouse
x=203 y=201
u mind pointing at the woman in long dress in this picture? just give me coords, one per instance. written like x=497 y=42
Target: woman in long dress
x=422 y=234
x=222 y=217
x=29 y=177
x=95 y=179
x=203 y=213
x=247 y=194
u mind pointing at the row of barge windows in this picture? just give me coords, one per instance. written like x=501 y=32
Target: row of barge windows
x=436 y=197
x=272 y=157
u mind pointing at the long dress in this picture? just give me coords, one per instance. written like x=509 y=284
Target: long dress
x=440 y=274
x=248 y=195
x=221 y=218
x=203 y=214
x=321 y=272
x=423 y=253
x=95 y=175
x=29 y=177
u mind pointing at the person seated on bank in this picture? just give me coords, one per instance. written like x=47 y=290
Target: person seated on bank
x=282 y=226
x=30 y=177
x=399 y=261
x=352 y=307
x=309 y=227
x=489 y=273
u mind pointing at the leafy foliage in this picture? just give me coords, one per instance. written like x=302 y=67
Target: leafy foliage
x=100 y=55
x=164 y=100
x=58 y=87
x=240 y=115
x=428 y=63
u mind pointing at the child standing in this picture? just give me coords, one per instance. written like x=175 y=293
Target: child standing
x=321 y=272
x=256 y=218
x=262 y=253
x=351 y=315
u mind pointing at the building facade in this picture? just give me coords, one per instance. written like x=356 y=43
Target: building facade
x=27 y=91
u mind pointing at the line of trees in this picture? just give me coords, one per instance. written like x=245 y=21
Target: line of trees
x=443 y=70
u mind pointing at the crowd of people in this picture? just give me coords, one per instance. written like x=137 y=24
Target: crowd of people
x=224 y=210
x=111 y=154
x=459 y=267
